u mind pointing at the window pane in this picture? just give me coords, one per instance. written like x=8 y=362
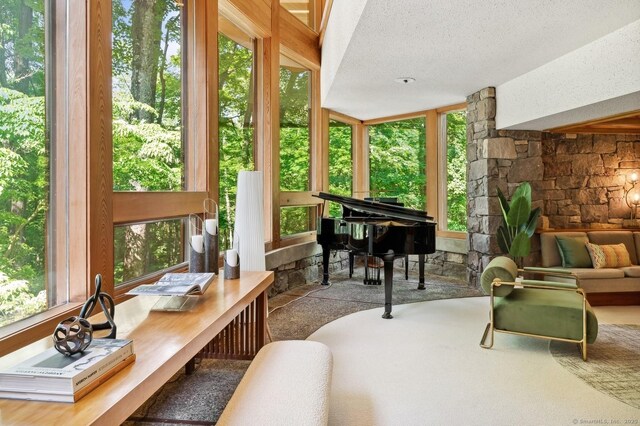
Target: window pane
x=148 y=152
x=301 y=9
x=143 y=248
x=294 y=126
x=25 y=74
x=397 y=161
x=236 y=121
x=294 y=220
x=340 y=162
x=457 y=171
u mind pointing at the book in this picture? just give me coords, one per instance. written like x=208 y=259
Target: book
x=173 y=284
x=52 y=372
x=69 y=397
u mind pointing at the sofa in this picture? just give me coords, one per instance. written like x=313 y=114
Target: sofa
x=618 y=285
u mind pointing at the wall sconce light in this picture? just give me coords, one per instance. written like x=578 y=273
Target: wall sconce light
x=632 y=195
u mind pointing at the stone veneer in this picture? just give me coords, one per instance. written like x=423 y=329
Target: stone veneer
x=579 y=181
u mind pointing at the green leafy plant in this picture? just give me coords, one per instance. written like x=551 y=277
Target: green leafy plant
x=519 y=223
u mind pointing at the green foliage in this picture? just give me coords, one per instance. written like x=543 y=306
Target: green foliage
x=340 y=163
x=519 y=222
x=397 y=161
x=17 y=300
x=456 y=171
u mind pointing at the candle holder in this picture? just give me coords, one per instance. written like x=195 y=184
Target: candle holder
x=196 y=244
x=632 y=195
x=231 y=265
x=210 y=235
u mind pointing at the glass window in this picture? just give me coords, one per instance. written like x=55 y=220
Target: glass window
x=236 y=121
x=294 y=126
x=26 y=112
x=148 y=152
x=301 y=9
x=143 y=248
x=294 y=220
x=340 y=162
x=397 y=161
x=456 y=140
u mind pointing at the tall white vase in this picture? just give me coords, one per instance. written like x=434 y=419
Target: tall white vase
x=248 y=234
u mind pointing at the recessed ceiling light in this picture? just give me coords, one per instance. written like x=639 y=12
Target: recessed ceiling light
x=405 y=80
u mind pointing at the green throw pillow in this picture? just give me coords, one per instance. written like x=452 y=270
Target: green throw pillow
x=573 y=252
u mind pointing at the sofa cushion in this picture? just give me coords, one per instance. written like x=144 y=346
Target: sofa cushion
x=631 y=271
x=549 y=246
x=552 y=313
x=573 y=252
x=608 y=256
x=615 y=237
x=598 y=274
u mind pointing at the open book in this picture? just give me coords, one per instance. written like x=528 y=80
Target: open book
x=176 y=285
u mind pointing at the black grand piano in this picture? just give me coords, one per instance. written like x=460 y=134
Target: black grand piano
x=376 y=229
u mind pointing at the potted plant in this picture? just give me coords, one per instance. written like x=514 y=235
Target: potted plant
x=518 y=223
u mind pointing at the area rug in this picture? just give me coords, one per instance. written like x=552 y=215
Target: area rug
x=425 y=367
x=614 y=362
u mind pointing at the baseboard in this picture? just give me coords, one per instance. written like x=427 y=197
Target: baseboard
x=614 y=299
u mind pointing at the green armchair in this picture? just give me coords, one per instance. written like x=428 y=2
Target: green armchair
x=546 y=309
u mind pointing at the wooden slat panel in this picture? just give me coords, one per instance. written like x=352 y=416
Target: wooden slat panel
x=298 y=41
x=343 y=118
x=326 y=11
x=455 y=107
x=399 y=117
x=212 y=102
x=132 y=207
x=431 y=160
x=252 y=16
x=628 y=123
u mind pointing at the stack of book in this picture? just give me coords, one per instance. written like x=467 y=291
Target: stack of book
x=51 y=376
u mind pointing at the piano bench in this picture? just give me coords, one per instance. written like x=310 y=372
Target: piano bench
x=287 y=383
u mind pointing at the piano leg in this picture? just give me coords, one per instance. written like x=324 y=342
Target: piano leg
x=351 y=260
x=421 y=271
x=325 y=265
x=388 y=285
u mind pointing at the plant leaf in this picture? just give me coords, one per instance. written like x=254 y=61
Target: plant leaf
x=503 y=202
x=504 y=241
x=524 y=190
x=533 y=221
x=521 y=245
x=519 y=212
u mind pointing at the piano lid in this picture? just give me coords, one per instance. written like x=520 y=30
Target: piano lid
x=374 y=207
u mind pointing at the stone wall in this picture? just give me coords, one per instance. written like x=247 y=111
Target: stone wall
x=579 y=181
x=585 y=177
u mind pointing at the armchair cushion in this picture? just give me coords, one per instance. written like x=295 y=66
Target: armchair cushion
x=573 y=252
x=553 y=313
x=502 y=268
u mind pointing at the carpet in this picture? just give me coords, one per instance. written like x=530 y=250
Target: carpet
x=614 y=362
x=199 y=399
x=425 y=367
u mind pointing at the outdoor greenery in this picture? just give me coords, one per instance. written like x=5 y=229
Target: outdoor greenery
x=457 y=171
x=340 y=163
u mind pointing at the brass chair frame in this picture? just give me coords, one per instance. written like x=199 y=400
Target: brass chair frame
x=582 y=343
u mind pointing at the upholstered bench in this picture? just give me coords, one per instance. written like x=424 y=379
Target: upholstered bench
x=287 y=383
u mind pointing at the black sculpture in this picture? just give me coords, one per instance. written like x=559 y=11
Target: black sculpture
x=108 y=307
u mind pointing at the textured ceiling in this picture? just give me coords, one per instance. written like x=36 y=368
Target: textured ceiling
x=451 y=47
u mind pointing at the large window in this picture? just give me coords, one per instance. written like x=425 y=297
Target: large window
x=27 y=48
x=148 y=152
x=340 y=162
x=454 y=125
x=295 y=147
x=397 y=161
x=149 y=139
x=236 y=121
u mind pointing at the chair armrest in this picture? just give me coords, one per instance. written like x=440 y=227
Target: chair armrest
x=541 y=270
x=548 y=284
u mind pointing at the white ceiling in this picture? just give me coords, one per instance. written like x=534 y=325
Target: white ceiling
x=451 y=47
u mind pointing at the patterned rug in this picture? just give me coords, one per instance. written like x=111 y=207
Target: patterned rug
x=613 y=367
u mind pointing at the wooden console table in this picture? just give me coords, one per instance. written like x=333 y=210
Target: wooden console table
x=164 y=342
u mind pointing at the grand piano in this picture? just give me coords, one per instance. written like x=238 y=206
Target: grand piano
x=376 y=229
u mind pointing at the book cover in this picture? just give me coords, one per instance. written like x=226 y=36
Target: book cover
x=69 y=397
x=176 y=284
x=50 y=371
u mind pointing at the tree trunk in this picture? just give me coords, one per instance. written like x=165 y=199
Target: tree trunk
x=163 y=80
x=22 y=71
x=146 y=34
